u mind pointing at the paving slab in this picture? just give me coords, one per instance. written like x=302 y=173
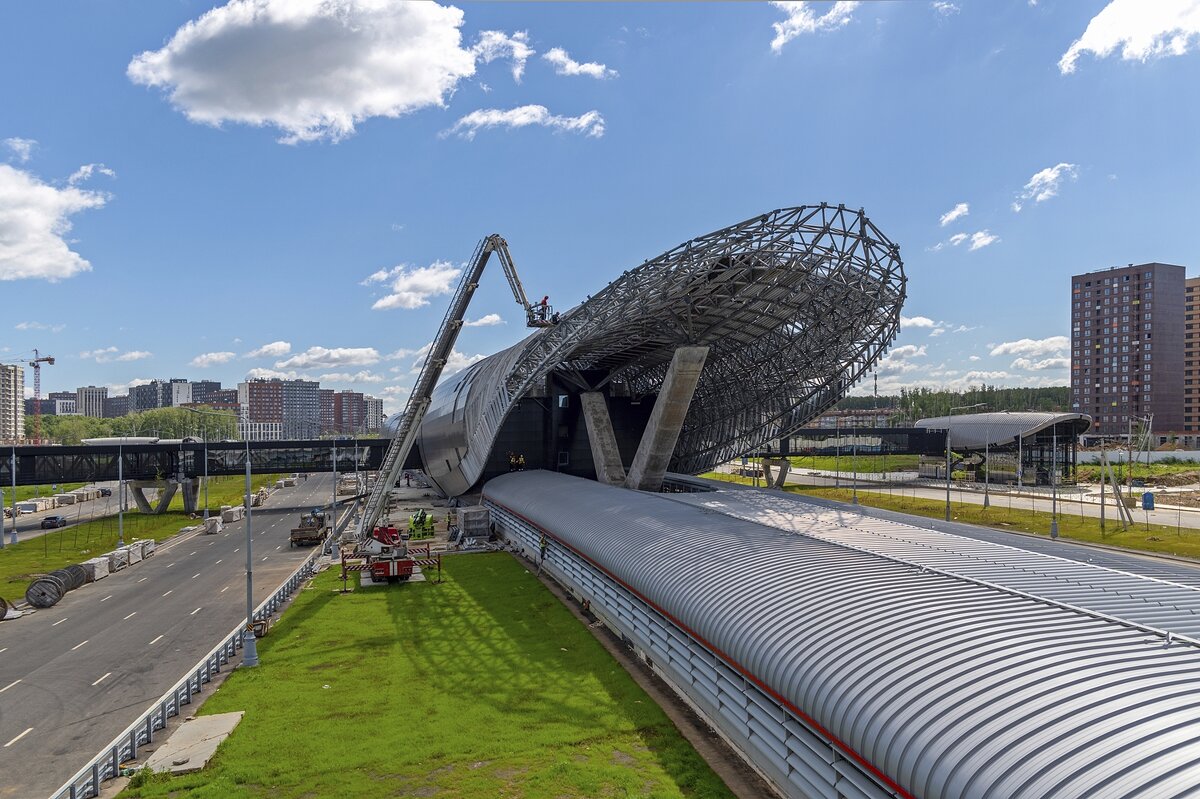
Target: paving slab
x=195 y=742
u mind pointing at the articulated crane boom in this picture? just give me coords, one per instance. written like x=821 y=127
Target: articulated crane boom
x=435 y=361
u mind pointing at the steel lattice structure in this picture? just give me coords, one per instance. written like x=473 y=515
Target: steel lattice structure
x=795 y=306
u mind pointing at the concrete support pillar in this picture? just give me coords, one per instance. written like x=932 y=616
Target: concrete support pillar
x=605 y=453
x=190 y=503
x=666 y=420
x=766 y=470
x=166 y=492
x=783 y=465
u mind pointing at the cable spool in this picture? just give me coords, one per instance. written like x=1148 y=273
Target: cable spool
x=67 y=579
x=4 y=606
x=78 y=575
x=44 y=592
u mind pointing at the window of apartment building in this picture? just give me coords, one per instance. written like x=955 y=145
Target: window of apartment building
x=1148 y=275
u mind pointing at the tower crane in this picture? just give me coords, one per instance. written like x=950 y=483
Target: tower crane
x=36 y=363
x=386 y=554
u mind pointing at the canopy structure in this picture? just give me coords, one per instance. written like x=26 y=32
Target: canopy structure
x=977 y=431
x=794 y=306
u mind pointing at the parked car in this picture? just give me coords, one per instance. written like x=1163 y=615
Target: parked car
x=106 y=492
x=50 y=522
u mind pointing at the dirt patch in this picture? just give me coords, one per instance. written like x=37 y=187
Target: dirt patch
x=623 y=758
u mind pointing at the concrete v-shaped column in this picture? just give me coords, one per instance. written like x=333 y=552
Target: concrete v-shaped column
x=605 y=453
x=666 y=420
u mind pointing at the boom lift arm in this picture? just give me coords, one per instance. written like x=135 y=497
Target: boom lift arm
x=422 y=393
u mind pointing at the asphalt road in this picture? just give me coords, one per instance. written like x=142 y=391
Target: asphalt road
x=74 y=676
x=29 y=524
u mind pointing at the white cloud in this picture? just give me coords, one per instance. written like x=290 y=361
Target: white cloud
x=978 y=240
x=322 y=357
x=944 y=8
x=276 y=349
x=21 y=149
x=269 y=374
x=40 y=326
x=973 y=358
x=565 y=65
x=458 y=361
x=363 y=376
x=485 y=321
x=406 y=353
x=899 y=360
x=802 y=19
x=1045 y=184
x=455 y=363
x=411 y=287
x=115 y=389
x=590 y=123
x=964 y=329
x=86 y=172
x=35 y=217
x=212 y=359
x=312 y=69
x=498 y=44
x=937 y=331
x=1142 y=30
x=957 y=212
x=1032 y=347
x=981 y=239
x=1027 y=364
x=916 y=321
x=110 y=354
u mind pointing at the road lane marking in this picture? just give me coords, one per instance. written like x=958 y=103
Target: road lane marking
x=266 y=556
x=102 y=679
x=191 y=553
x=238 y=549
x=60 y=621
x=277 y=547
x=194 y=576
x=169 y=591
x=155 y=641
x=19 y=737
x=110 y=596
x=144 y=579
x=10 y=685
x=5 y=649
x=213 y=564
x=223 y=590
x=130 y=616
x=169 y=565
x=194 y=612
x=81 y=643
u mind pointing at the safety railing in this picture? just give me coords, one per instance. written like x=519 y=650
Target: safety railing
x=107 y=763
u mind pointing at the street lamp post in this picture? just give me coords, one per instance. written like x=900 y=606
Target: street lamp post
x=120 y=495
x=949 y=420
x=1054 y=482
x=987 y=466
x=13 y=534
x=249 y=644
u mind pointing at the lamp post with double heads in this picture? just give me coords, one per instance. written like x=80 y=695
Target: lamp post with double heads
x=949 y=420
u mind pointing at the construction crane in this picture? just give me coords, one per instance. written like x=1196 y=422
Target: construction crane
x=39 y=359
x=386 y=555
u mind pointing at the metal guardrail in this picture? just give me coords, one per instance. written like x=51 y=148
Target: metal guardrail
x=107 y=763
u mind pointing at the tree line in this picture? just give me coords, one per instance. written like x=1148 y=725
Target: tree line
x=160 y=422
x=923 y=403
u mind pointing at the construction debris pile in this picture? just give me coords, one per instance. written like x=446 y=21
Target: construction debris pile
x=46 y=591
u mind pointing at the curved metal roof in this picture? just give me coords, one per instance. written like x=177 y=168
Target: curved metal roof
x=795 y=305
x=977 y=430
x=950 y=686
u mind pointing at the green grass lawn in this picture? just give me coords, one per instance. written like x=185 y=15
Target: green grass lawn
x=483 y=686
x=867 y=464
x=67 y=545
x=28 y=492
x=1158 y=538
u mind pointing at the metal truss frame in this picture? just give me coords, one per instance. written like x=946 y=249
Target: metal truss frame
x=795 y=305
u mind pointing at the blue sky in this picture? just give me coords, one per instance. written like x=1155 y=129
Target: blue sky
x=251 y=172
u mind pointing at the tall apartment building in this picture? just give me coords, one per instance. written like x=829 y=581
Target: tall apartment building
x=1127 y=347
x=204 y=391
x=89 y=400
x=349 y=412
x=12 y=404
x=145 y=397
x=325 y=397
x=374 y=416
x=1191 y=360
x=301 y=409
x=116 y=406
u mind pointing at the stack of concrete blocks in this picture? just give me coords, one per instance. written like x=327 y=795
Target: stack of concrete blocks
x=234 y=514
x=135 y=552
x=148 y=546
x=474 y=521
x=36 y=505
x=213 y=525
x=289 y=481
x=118 y=559
x=279 y=483
x=96 y=568
x=64 y=499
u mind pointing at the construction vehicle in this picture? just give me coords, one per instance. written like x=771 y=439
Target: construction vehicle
x=312 y=530
x=384 y=550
